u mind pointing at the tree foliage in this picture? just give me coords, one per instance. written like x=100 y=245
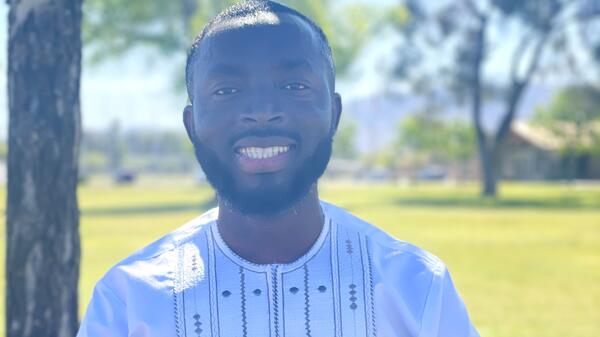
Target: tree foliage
x=435 y=140
x=344 y=142
x=452 y=46
x=114 y=27
x=573 y=116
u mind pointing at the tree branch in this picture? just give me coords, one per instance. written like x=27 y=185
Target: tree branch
x=474 y=10
x=479 y=54
x=537 y=56
x=518 y=57
x=517 y=88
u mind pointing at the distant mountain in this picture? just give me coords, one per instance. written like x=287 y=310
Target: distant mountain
x=377 y=117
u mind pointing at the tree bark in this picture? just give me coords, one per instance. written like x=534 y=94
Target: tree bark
x=485 y=146
x=43 y=247
x=489 y=171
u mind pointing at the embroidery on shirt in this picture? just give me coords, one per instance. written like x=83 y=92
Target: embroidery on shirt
x=369 y=271
x=197 y=324
x=275 y=300
x=335 y=278
x=243 y=300
x=352 y=298
x=212 y=286
x=176 y=290
x=352 y=286
x=349 y=248
x=176 y=313
x=306 y=303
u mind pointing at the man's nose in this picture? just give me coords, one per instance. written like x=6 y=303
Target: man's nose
x=263 y=109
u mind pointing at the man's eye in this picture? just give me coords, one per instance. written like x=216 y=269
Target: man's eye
x=295 y=86
x=226 y=91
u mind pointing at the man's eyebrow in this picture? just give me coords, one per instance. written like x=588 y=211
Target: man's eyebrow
x=294 y=64
x=223 y=69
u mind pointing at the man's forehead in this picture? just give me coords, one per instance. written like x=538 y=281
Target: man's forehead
x=278 y=41
x=284 y=25
x=282 y=35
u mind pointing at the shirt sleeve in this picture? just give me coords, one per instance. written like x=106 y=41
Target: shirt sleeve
x=105 y=315
x=445 y=314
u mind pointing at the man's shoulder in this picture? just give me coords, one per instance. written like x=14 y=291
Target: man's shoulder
x=384 y=246
x=177 y=237
x=160 y=251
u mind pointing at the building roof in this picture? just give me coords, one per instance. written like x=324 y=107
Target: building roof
x=537 y=135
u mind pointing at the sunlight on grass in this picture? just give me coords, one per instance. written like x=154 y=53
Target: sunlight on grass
x=526 y=263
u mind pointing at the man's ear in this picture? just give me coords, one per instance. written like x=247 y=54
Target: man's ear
x=188 y=121
x=336 y=113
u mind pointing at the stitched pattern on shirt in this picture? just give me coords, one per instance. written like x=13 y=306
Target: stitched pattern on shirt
x=197 y=324
x=275 y=300
x=335 y=279
x=176 y=314
x=213 y=286
x=349 y=248
x=243 y=299
x=352 y=286
x=176 y=289
x=371 y=290
x=306 y=303
x=196 y=317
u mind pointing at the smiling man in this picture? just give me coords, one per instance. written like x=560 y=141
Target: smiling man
x=272 y=259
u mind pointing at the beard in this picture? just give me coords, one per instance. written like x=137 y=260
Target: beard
x=266 y=200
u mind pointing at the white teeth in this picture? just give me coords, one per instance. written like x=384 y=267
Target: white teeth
x=263 y=152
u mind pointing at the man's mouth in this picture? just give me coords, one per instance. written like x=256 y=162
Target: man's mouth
x=264 y=154
x=257 y=153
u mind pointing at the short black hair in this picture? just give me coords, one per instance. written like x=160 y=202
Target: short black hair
x=252 y=8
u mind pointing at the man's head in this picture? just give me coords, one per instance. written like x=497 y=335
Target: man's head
x=249 y=13
x=263 y=107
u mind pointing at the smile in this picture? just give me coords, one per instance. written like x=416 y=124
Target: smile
x=263 y=152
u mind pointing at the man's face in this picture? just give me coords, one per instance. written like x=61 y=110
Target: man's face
x=263 y=114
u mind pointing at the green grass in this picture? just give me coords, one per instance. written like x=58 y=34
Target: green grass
x=527 y=264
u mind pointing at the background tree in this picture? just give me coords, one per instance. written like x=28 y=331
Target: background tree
x=42 y=217
x=114 y=27
x=425 y=138
x=474 y=34
x=573 y=116
x=344 y=143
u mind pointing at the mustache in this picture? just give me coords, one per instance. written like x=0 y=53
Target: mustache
x=265 y=133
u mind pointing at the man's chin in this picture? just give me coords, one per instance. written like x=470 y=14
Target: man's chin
x=263 y=203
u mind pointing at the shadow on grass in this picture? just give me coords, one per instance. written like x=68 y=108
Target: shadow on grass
x=500 y=203
x=551 y=203
x=199 y=207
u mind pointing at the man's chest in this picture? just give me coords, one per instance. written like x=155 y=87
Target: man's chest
x=329 y=294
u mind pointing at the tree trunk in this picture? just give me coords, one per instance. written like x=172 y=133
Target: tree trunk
x=488 y=170
x=486 y=151
x=43 y=248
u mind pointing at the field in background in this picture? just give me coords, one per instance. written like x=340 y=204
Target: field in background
x=527 y=264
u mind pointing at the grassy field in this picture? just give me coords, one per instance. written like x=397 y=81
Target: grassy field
x=527 y=264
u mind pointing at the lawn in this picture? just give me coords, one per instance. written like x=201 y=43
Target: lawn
x=527 y=264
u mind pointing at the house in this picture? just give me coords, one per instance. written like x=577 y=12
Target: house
x=534 y=153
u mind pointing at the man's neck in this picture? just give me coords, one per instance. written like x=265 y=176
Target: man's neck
x=282 y=238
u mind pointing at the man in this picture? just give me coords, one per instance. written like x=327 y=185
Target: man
x=272 y=259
